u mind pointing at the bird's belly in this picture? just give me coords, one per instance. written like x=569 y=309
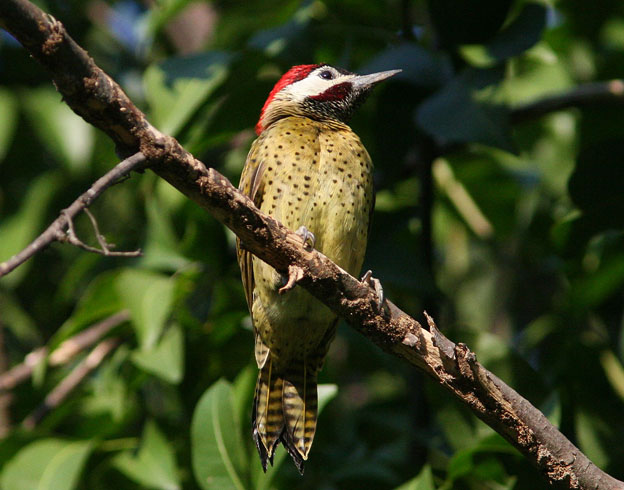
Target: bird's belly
x=332 y=199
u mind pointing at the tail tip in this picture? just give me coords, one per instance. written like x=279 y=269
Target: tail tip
x=266 y=457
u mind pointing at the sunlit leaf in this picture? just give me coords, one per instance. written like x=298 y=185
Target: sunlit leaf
x=98 y=300
x=276 y=40
x=166 y=359
x=65 y=134
x=177 y=87
x=161 y=250
x=219 y=459
x=424 y=481
x=46 y=464
x=149 y=297
x=154 y=466
x=20 y=229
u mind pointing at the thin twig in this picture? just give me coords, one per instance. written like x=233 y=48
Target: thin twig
x=63 y=353
x=71 y=382
x=56 y=230
x=5 y=398
x=588 y=95
x=105 y=248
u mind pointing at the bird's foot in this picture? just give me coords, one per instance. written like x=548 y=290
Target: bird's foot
x=373 y=282
x=295 y=274
x=307 y=236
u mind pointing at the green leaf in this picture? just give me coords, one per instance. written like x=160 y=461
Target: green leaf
x=65 y=134
x=420 y=66
x=109 y=396
x=218 y=453
x=592 y=433
x=161 y=248
x=154 y=466
x=48 y=464
x=149 y=297
x=521 y=34
x=8 y=120
x=177 y=87
x=166 y=359
x=20 y=229
x=167 y=9
x=100 y=299
x=464 y=111
x=518 y=36
x=18 y=320
x=423 y=481
x=278 y=39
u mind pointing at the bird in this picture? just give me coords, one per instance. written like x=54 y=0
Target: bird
x=311 y=172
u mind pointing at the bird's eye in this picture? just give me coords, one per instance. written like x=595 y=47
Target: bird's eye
x=326 y=75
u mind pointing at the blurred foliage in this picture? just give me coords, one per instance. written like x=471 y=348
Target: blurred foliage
x=510 y=234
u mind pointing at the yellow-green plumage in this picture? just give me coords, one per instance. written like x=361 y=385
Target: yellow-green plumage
x=311 y=172
x=315 y=174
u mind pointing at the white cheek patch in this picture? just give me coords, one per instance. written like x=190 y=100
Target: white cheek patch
x=311 y=86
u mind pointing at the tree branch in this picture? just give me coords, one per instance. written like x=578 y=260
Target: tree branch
x=71 y=382
x=56 y=230
x=63 y=354
x=100 y=101
x=591 y=94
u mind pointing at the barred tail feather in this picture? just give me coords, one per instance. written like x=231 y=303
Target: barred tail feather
x=285 y=410
x=267 y=415
x=300 y=408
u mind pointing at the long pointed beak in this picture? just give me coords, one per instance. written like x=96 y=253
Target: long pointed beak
x=364 y=82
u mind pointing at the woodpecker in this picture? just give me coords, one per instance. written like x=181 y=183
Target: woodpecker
x=310 y=171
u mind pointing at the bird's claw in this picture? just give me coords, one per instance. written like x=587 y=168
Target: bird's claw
x=373 y=282
x=295 y=274
x=307 y=236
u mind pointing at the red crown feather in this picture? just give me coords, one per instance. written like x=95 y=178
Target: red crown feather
x=293 y=75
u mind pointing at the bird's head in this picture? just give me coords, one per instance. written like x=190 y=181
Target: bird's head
x=320 y=92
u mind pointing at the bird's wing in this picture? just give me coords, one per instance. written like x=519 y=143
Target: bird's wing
x=250 y=183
